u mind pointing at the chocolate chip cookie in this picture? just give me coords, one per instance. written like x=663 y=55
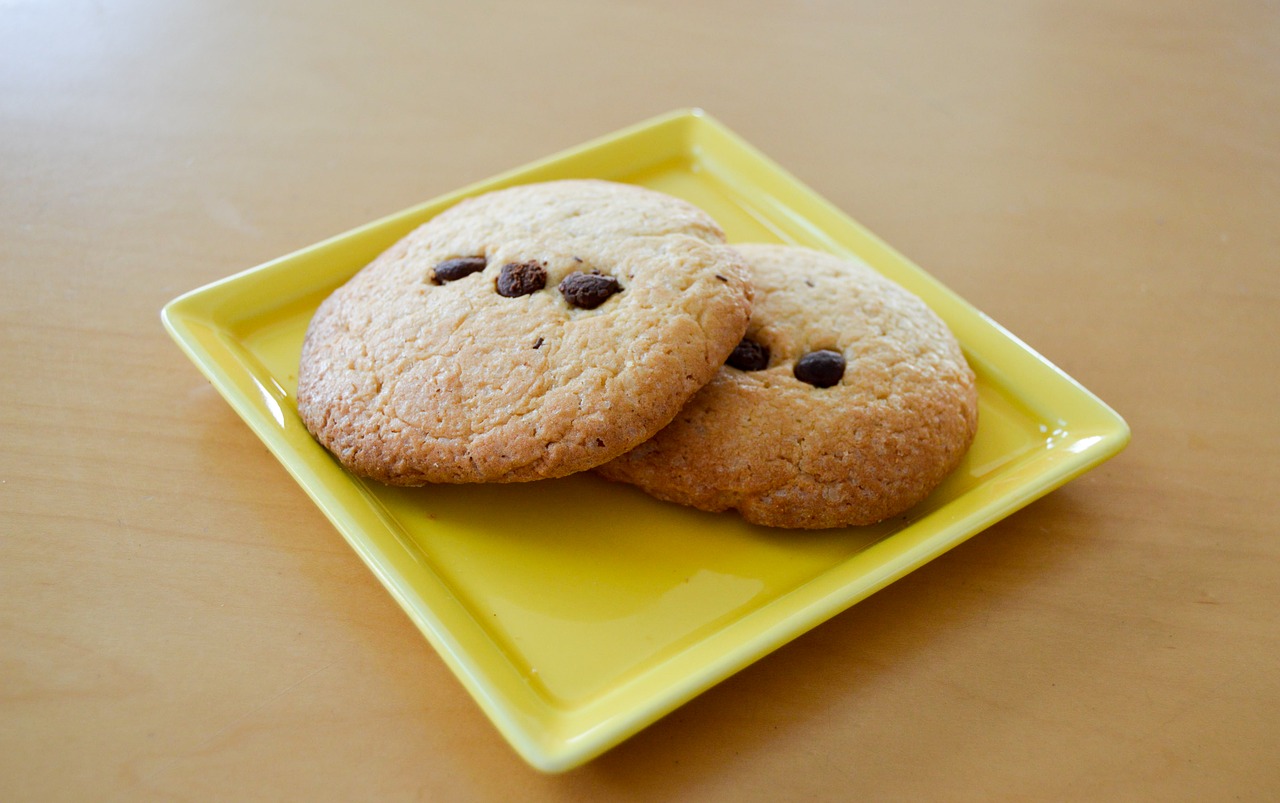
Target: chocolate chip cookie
x=847 y=402
x=527 y=333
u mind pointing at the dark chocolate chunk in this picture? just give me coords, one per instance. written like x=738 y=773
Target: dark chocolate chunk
x=453 y=269
x=521 y=278
x=749 y=355
x=588 y=290
x=822 y=369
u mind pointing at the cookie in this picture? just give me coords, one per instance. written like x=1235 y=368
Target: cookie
x=846 y=403
x=523 y=334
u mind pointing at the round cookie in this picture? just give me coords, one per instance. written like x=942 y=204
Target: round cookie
x=850 y=401
x=523 y=334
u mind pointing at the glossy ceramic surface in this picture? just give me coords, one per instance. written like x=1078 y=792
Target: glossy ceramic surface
x=576 y=611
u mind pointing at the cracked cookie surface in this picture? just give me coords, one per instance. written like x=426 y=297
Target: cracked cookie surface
x=850 y=402
x=455 y=356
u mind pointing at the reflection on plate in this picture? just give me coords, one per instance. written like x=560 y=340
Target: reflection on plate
x=577 y=611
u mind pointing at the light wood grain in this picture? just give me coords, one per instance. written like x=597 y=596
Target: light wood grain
x=177 y=621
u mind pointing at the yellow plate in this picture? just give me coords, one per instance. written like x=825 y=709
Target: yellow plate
x=576 y=611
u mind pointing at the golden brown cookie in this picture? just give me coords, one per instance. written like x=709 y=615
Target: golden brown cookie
x=527 y=333
x=846 y=403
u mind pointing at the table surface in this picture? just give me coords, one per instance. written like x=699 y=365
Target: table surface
x=178 y=621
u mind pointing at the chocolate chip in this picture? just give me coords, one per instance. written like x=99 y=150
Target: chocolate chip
x=822 y=369
x=749 y=355
x=452 y=270
x=521 y=278
x=721 y=278
x=588 y=290
x=538 y=343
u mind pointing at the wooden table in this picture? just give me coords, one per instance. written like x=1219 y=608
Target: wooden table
x=178 y=621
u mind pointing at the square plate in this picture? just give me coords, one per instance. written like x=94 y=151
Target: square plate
x=576 y=611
